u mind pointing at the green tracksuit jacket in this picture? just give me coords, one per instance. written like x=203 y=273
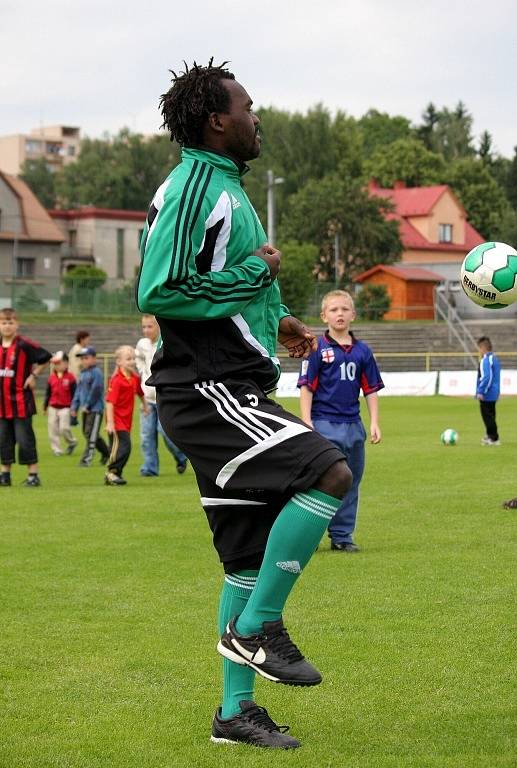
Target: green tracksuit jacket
x=215 y=302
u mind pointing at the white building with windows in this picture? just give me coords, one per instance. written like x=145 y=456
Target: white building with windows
x=58 y=145
x=103 y=237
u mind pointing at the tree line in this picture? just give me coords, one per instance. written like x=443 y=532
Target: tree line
x=325 y=162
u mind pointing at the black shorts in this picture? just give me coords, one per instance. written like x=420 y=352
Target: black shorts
x=249 y=455
x=19 y=431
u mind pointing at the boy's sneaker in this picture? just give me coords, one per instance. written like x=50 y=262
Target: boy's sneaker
x=85 y=463
x=110 y=478
x=104 y=458
x=32 y=481
x=5 y=479
x=271 y=653
x=252 y=726
x=181 y=467
x=70 y=449
x=57 y=453
x=344 y=546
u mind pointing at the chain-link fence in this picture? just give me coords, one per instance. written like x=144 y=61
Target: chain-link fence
x=42 y=294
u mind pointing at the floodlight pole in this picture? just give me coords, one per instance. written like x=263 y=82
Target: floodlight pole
x=336 y=257
x=334 y=230
x=272 y=181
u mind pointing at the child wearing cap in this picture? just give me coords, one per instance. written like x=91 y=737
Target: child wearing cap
x=61 y=386
x=82 y=339
x=89 y=399
x=120 y=403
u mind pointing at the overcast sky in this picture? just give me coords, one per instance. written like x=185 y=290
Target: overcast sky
x=102 y=65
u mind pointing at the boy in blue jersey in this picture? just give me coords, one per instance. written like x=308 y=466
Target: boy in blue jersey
x=487 y=389
x=330 y=383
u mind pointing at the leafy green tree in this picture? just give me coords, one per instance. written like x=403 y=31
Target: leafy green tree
x=41 y=180
x=505 y=230
x=300 y=147
x=483 y=199
x=372 y=302
x=448 y=132
x=511 y=180
x=405 y=160
x=425 y=131
x=485 y=150
x=121 y=172
x=499 y=168
x=337 y=205
x=296 y=275
x=379 y=128
x=349 y=140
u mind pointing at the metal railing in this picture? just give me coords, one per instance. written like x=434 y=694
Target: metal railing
x=423 y=361
x=444 y=310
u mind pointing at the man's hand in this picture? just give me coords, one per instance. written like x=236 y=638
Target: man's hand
x=296 y=337
x=272 y=258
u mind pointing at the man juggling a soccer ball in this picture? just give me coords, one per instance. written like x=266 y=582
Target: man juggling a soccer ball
x=268 y=483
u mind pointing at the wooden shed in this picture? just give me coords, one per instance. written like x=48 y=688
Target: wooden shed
x=411 y=290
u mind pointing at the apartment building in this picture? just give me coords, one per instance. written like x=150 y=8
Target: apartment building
x=57 y=144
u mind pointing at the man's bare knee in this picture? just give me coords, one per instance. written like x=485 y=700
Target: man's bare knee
x=336 y=481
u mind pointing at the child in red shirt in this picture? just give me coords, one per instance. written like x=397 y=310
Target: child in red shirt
x=61 y=386
x=120 y=402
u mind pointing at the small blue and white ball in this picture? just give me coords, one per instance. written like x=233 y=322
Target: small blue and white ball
x=449 y=437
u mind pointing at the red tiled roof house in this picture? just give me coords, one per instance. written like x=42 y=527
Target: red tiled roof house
x=434 y=231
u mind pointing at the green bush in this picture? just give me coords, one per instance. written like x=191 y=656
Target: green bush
x=29 y=301
x=373 y=302
x=85 y=276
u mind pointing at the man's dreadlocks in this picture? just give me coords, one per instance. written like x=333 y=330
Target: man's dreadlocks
x=194 y=94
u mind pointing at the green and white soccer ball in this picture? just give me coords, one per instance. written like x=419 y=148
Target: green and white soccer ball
x=489 y=275
x=449 y=437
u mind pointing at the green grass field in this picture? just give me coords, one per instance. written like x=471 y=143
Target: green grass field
x=108 y=613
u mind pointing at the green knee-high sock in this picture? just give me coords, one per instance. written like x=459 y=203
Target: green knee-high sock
x=238 y=681
x=294 y=536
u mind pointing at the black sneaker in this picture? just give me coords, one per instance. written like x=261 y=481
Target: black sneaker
x=104 y=458
x=32 y=481
x=344 y=546
x=180 y=468
x=110 y=478
x=70 y=449
x=271 y=653
x=5 y=478
x=252 y=726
